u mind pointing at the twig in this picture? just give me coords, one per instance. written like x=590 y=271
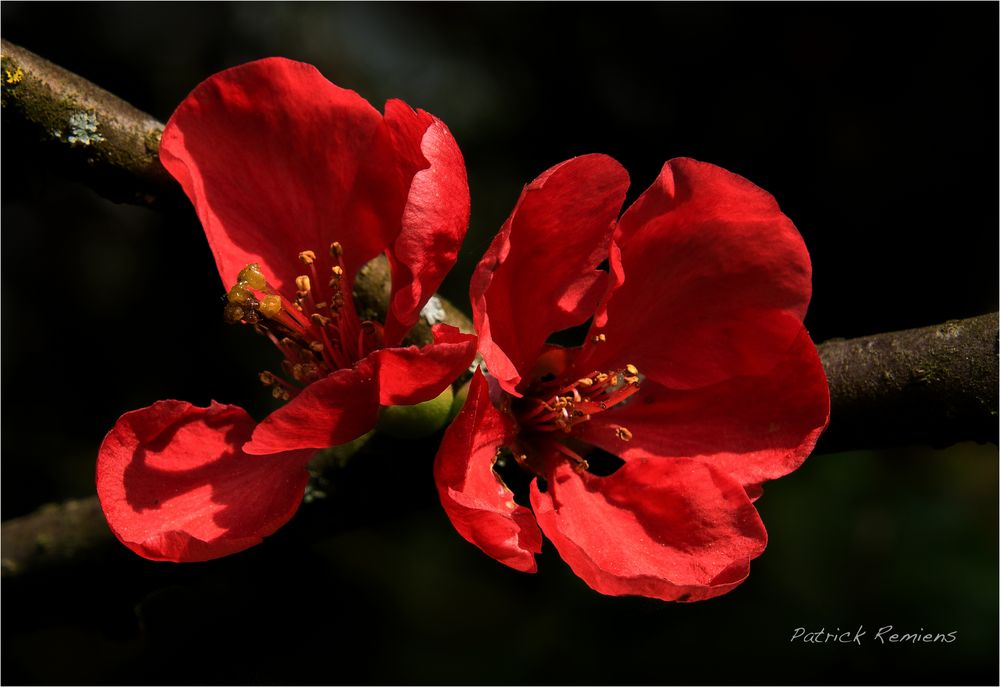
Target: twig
x=53 y=536
x=934 y=385
x=97 y=137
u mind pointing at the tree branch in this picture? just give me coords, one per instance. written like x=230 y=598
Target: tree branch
x=934 y=385
x=98 y=138
x=53 y=536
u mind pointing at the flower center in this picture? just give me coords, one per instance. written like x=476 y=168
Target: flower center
x=551 y=410
x=317 y=332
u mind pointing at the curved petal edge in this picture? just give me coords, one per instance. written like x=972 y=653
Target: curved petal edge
x=676 y=530
x=175 y=485
x=476 y=500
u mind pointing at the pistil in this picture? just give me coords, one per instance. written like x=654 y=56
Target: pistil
x=577 y=402
x=551 y=410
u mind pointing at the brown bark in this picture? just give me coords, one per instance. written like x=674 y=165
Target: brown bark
x=934 y=385
x=95 y=136
x=54 y=535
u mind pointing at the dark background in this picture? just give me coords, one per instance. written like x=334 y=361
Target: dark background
x=875 y=126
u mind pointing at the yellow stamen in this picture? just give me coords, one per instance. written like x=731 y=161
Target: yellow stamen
x=233 y=313
x=252 y=276
x=302 y=283
x=238 y=294
x=307 y=257
x=270 y=306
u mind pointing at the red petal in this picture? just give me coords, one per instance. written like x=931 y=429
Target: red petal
x=413 y=375
x=477 y=502
x=616 y=277
x=344 y=405
x=717 y=280
x=334 y=410
x=753 y=428
x=538 y=276
x=277 y=159
x=175 y=486
x=434 y=221
x=677 y=530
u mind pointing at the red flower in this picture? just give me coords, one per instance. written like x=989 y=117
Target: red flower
x=696 y=372
x=298 y=183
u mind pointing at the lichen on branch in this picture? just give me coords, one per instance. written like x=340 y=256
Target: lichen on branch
x=93 y=135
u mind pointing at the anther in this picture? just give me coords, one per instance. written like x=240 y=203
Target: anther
x=238 y=294
x=233 y=313
x=586 y=381
x=270 y=306
x=337 y=275
x=252 y=276
x=631 y=374
x=312 y=343
x=600 y=338
x=623 y=434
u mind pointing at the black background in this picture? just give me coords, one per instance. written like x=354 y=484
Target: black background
x=875 y=126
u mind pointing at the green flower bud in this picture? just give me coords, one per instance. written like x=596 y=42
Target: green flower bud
x=337 y=456
x=420 y=420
